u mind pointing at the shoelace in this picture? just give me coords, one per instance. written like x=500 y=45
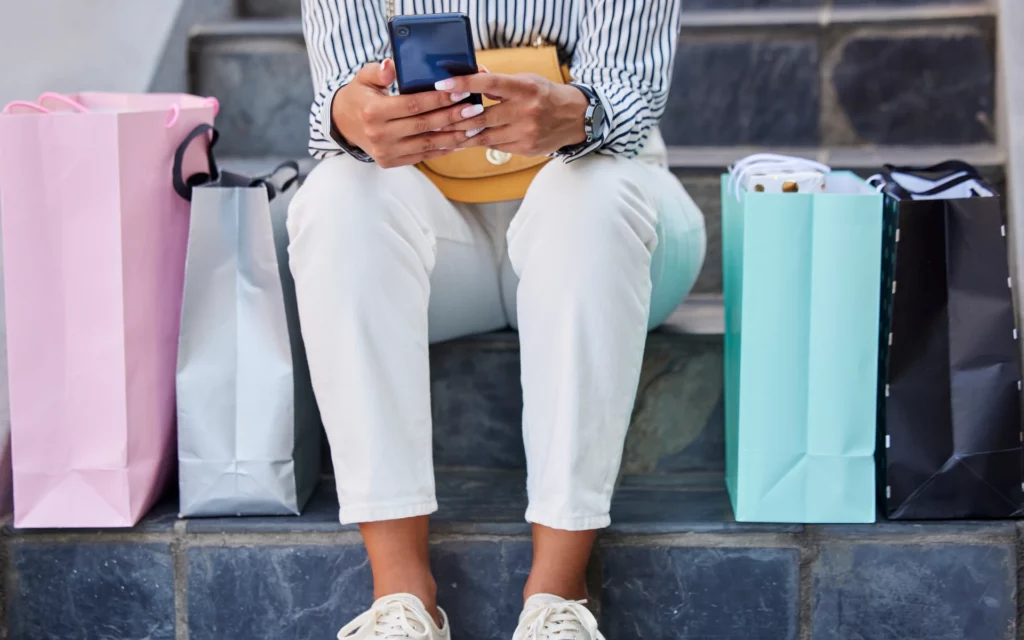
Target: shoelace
x=567 y=620
x=769 y=161
x=390 y=620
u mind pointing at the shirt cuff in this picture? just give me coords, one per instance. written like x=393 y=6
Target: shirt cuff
x=600 y=137
x=330 y=132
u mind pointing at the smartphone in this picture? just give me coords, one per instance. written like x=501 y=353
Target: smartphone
x=433 y=47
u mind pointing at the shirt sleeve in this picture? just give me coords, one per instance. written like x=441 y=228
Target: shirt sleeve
x=341 y=37
x=625 y=55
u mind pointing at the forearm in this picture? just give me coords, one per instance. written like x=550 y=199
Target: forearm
x=342 y=36
x=625 y=55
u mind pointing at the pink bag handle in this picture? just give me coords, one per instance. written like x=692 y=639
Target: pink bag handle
x=74 y=104
x=28 y=105
x=176 y=111
x=175 y=114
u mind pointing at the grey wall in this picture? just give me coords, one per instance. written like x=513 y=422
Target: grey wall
x=70 y=45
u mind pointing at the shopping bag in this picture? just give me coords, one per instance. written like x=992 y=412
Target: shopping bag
x=6 y=478
x=248 y=425
x=801 y=275
x=94 y=253
x=949 y=400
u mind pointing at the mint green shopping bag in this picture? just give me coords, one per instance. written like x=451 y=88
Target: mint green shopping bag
x=802 y=281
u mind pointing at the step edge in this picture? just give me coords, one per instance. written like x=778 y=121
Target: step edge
x=720 y=157
x=289 y=26
x=982 y=155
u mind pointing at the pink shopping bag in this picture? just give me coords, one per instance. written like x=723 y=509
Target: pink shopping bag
x=94 y=249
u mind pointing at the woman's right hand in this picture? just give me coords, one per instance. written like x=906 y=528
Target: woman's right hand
x=398 y=130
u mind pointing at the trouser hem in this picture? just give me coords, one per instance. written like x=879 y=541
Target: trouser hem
x=377 y=513
x=564 y=523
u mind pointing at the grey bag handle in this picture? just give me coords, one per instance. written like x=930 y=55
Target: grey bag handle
x=183 y=187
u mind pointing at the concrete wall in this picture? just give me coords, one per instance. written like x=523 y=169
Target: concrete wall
x=69 y=45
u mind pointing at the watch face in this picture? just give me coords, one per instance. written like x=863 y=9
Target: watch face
x=598 y=119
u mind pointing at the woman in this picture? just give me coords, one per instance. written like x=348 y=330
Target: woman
x=603 y=246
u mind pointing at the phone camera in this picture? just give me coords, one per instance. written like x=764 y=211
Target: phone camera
x=402 y=32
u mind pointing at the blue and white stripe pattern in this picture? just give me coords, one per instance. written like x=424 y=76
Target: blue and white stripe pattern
x=622 y=49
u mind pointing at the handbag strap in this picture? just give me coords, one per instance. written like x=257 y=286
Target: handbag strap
x=183 y=186
x=272 y=186
x=966 y=170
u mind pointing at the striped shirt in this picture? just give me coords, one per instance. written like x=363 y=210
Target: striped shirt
x=622 y=49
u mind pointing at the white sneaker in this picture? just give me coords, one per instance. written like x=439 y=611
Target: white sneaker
x=397 y=617
x=547 y=617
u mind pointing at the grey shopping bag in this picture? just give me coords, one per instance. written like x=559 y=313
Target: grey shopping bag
x=248 y=425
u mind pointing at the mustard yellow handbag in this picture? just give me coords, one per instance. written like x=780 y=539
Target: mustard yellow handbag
x=480 y=175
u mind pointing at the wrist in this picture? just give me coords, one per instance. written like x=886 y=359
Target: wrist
x=576 y=105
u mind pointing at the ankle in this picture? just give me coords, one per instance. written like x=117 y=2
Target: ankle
x=562 y=589
x=423 y=587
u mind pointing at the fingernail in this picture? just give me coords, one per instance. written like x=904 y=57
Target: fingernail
x=459 y=97
x=473 y=132
x=472 y=110
x=445 y=85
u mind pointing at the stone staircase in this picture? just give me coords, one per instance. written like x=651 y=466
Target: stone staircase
x=849 y=82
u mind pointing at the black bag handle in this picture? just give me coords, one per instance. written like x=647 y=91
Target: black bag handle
x=182 y=186
x=948 y=168
x=273 y=187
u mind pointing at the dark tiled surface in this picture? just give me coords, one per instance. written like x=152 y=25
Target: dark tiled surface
x=703 y=5
x=948 y=592
x=265 y=91
x=659 y=593
x=477 y=403
x=935 y=89
x=85 y=591
x=653 y=511
x=706 y=191
x=860 y=3
x=494 y=503
x=674 y=416
x=480 y=585
x=270 y=593
x=730 y=92
x=269 y=8
x=706 y=451
x=990 y=530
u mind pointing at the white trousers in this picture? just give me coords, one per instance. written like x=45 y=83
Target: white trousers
x=600 y=250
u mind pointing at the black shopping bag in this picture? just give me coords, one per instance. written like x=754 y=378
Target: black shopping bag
x=949 y=412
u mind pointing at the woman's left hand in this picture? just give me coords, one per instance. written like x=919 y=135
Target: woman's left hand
x=533 y=117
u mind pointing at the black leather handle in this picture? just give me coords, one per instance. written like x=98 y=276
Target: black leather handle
x=947 y=168
x=182 y=186
x=274 y=187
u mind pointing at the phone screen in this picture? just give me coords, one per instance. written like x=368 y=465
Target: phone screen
x=431 y=48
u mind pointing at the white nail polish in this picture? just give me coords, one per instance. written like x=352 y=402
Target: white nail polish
x=473 y=132
x=459 y=97
x=472 y=110
x=445 y=85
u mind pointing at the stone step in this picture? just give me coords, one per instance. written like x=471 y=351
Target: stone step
x=809 y=78
x=719 y=13
x=673 y=566
x=677 y=423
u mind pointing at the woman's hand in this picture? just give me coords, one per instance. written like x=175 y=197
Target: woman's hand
x=397 y=130
x=534 y=116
